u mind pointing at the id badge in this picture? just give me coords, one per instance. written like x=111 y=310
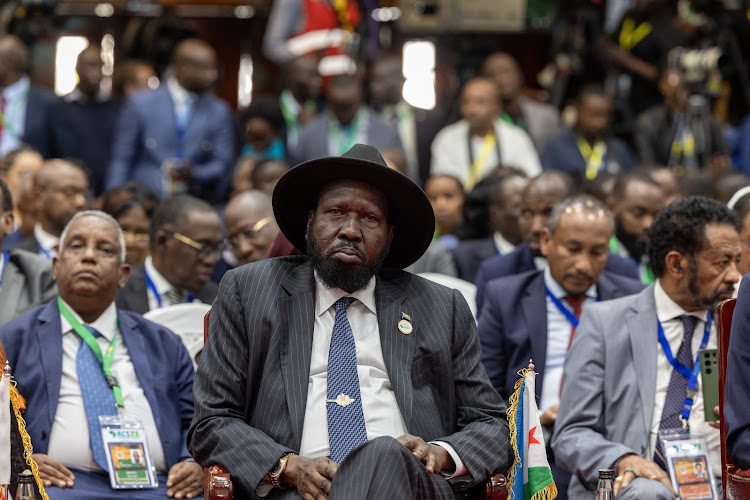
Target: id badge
x=689 y=465
x=129 y=460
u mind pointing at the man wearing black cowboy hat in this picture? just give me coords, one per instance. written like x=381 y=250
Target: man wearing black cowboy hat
x=337 y=374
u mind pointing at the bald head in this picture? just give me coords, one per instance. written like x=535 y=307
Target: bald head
x=480 y=104
x=61 y=190
x=89 y=69
x=503 y=69
x=195 y=65
x=250 y=225
x=14 y=59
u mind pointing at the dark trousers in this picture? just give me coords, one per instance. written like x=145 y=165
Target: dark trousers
x=90 y=485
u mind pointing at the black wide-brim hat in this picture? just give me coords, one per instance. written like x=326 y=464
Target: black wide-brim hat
x=409 y=210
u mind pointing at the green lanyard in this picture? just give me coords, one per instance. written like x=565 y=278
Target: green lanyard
x=16 y=104
x=86 y=336
x=334 y=131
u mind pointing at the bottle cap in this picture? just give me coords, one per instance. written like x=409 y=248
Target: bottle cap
x=606 y=474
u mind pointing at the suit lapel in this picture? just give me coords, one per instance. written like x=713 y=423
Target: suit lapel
x=138 y=300
x=296 y=321
x=139 y=356
x=398 y=348
x=641 y=321
x=534 y=303
x=10 y=292
x=49 y=342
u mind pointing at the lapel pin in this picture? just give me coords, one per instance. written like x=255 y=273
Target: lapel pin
x=404 y=326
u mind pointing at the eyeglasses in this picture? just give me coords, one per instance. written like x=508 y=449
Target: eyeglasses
x=204 y=249
x=250 y=233
x=137 y=237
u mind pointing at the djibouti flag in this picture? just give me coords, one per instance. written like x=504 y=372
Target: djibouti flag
x=530 y=477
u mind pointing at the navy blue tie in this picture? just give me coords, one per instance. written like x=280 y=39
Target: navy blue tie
x=98 y=398
x=677 y=389
x=346 y=422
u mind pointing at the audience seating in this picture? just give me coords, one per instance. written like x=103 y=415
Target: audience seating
x=217 y=484
x=736 y=483
x=184 y=320
x=467 y=289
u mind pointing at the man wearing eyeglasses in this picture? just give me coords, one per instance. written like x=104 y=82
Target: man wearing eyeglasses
x=251 y=226
x=60 y=188
x=186 y=242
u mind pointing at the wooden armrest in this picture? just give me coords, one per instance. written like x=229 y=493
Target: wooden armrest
x=216 y=483
x=743 y=473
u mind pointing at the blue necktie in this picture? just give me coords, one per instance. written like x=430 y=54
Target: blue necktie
x=346 y=422
x=98 y=398
x=677 y=389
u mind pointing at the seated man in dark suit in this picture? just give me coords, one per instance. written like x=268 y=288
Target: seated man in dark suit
x=504 y=198
x=52 y=350
x=537 y=201
x=60 y=188
x=185 y=244
x=736 y=404
x=343 y=354
x=512 y=327
x=588 y=148
x=636 y=198
x=25 y=278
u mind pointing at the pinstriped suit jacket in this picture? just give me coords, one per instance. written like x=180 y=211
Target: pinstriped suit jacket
x=251 y=387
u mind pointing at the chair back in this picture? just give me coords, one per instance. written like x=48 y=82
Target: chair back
x=185 y=321
x=206 y=320
x=724 y=314
x=468 y=290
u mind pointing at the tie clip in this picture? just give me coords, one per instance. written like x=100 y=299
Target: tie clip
x=342 y=400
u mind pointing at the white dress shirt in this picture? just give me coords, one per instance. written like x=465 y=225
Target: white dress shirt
x=183 y=100
x=46 y=241
x=503 y=246
x=379 y=405
x=69 y=436
x=338 y=144
x=162 y=287
x=558 y=340
x=668 y=313
x=16 y=99
x=450 y=151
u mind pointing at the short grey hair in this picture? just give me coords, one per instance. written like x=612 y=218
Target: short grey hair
x=578 y=203
x=101 y=215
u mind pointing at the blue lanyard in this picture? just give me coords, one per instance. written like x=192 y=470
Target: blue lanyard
x=5 y=263
x=157 y=295
x=44 y=252
x=691 y=375
x=566 y=312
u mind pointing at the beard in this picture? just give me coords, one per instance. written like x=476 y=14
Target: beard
x=708 y=303
x=630 y=242
x=336 y=274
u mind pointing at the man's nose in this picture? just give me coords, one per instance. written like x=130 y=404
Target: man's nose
x=350 y=228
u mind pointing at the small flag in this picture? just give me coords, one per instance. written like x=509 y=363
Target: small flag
x=530 y=477
x=5 y=420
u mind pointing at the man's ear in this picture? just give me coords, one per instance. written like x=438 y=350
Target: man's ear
x=545 y=240
x=310 y=216
x=676 y=265
x=55 y=264
x=124 y=274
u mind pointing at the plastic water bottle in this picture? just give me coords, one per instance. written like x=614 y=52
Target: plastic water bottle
x=604 y=488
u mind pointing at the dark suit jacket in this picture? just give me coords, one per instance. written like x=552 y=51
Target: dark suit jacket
x=146 y=135
x=562 y=153
x=33 y=344
x=513 y=325
x=44 y=129
x=736 y=403
x=469 y=254
x=251 y=388
x=134 y=296
x=521 y=260
x=313 y=137
x=27 y=282
x=428 y=123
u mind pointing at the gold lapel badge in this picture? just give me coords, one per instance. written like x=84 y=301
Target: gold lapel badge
x=405 y=326
x=342 y=400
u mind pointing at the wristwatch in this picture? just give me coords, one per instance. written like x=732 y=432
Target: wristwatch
x=278 y=470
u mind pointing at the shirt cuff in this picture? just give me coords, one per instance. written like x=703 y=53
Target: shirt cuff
x=460 y=467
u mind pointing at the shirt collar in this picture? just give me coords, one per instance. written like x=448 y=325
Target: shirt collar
x=18 y=88
x=46 y=240
x=558 y=291
x=160 y=282
x=667 y=309
x=178 y=92
x=105 y=324
x=326 y=297
x=502 y=244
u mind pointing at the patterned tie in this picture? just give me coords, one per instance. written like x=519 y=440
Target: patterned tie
x=677 y=390
x=576 y=302
x=98 y=398
x=174 y=296
x=346 y=422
